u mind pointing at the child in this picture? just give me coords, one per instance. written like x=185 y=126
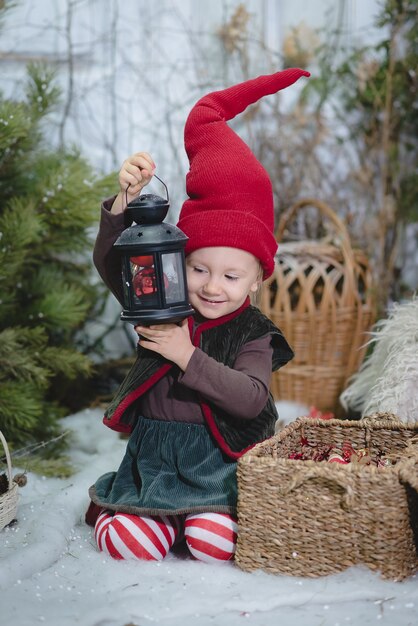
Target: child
x=197 y=396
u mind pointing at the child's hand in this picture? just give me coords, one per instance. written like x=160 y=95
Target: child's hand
x=170 y=340
x=135 y=173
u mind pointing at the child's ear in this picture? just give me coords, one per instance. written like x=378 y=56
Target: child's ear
x=255 y=286
x=258 y=281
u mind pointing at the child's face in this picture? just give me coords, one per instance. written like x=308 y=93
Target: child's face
x=220 y=279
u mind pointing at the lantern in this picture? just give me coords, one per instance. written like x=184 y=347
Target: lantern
x=153 y=264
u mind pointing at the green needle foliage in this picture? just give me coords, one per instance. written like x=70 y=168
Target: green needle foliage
x=48 y=204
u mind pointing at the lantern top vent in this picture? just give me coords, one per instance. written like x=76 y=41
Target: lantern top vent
x=147 y=209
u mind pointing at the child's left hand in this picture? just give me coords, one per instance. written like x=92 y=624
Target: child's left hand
x=172 y=341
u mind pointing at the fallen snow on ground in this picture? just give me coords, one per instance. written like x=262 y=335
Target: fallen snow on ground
x=52 y=573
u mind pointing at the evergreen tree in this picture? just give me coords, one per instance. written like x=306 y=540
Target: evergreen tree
x=48 y=203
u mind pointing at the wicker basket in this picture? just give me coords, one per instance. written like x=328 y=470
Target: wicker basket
x=307 y=518
x=320 y=296
x=8 y=500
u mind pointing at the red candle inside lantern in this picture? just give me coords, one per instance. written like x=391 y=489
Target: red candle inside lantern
x=143 y=272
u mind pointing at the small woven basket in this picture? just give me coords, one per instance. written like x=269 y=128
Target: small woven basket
x=320 y=296
x=9 y=499
x=307 y=518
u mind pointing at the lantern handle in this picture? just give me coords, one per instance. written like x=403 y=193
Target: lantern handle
x=165 y=186
x=158 y=178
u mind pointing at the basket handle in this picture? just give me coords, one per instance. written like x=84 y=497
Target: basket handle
x=408 y=473
x=326 y=210
x=301 y=477
x=344 y=239
x=8 y=458
x=323 y=208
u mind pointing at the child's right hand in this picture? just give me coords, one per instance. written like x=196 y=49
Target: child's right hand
x=135 y=173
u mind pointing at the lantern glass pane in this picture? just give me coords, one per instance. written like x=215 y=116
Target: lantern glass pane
x=173 y=277
x=125 y=283
x=144 y=283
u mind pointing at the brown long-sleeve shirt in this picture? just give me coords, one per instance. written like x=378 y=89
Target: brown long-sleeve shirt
x=241 y=391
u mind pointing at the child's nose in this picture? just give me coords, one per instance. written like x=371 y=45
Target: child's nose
x=212 y=285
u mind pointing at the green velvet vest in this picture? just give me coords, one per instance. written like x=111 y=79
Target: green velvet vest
x=221 y=339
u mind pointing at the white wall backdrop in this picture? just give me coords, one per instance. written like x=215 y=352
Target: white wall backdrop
x=130 y=70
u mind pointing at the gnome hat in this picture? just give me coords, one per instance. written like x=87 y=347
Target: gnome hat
x=230 y=199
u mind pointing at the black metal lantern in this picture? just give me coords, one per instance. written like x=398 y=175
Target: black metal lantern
x=153 y=264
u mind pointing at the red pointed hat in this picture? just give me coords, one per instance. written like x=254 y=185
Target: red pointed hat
x=230 y=199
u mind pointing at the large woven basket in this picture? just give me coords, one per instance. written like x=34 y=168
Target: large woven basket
x=307 y=518
x=9 y=499
x=320 y=296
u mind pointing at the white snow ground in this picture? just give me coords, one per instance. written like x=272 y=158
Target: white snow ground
x=52 y=573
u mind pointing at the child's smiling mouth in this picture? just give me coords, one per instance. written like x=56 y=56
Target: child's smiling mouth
x=208 y=301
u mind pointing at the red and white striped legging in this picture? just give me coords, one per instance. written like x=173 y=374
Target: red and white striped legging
x=210 y=537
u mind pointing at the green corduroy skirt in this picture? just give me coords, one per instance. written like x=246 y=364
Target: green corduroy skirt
x=169 y=468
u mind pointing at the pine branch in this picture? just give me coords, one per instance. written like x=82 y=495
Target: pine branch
x=18 y=347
